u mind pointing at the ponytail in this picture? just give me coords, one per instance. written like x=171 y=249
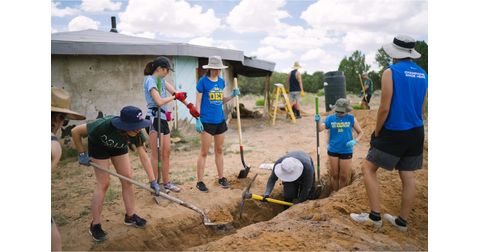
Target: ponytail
x=149 y=68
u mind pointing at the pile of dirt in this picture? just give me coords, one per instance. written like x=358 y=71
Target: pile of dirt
x=322 y=224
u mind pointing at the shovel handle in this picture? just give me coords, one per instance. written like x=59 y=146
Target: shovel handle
x=280 y=202
x=164 y=195
x=239 y=124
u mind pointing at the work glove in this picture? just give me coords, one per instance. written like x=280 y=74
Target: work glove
x=302 y=94
x=235 y=92
x=181 y=96
x=193 y=110
x=155 y=186
x=199 y=126
x=264 y=199
x=351 y=143
x=317 y=118
x=84 y=159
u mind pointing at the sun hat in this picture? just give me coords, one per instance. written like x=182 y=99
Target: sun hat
x=401 y=47
x=342 y=105
x=131 y=118
x=162 y=61
x=214 y=62
x=296 y=65
x=289 y=169
x=61 y=103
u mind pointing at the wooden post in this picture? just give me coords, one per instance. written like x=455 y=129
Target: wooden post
x=266 y=98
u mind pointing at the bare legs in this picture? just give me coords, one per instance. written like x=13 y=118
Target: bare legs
x=340 y=172
x=164 y=152
x=206 y=140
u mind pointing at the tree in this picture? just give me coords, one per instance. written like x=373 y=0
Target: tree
x=352 y=67
x=383 y=60
x=422 y=48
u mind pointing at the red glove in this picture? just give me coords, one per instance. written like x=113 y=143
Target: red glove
x=193 y=110
x=181 y=96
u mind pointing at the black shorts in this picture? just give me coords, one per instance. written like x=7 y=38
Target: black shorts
x=401 y=150
x=102 y=152
x=163 y=124
x=215 y=128
x=367 y=98
x=339 y=155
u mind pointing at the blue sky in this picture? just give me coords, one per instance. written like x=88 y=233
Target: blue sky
x=318 y=34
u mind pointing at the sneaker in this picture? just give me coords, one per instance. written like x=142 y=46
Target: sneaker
x=135 y=220
x=364 y=218
x=202 y=187
x=97 y=232
x=391 y=219
x=170 y=186
x=223 y=182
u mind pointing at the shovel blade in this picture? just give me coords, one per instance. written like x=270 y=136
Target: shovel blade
x=243 y=173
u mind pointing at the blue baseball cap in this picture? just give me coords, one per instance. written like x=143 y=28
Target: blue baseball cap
x=131 y=118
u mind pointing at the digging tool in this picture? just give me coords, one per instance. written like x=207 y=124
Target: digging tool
x=159 y=132
x=318 y=142
x=246 y=194
x=244 y=172
x=206 y=220
x=363 y=90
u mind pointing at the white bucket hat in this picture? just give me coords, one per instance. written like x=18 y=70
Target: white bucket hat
x=401 y=47
x=289 y=169
x=214 y=62
x=296 y=65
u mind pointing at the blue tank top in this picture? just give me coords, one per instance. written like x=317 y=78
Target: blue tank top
x=294 y=85
x=410 y=84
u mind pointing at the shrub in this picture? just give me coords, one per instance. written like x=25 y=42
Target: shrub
x=260 y=102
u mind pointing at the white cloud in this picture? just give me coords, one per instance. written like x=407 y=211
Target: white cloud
x=82 y=23
x=170 y=18
x=57 y=12
x=365 y=40
x=99 y=5
x=257 y=16
x=53 y=30
x=149 y=35
x=271 y=53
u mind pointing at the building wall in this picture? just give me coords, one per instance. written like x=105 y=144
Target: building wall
x=105 y=84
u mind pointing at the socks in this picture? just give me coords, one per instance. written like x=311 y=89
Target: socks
x=401 y=222
x=374 y=216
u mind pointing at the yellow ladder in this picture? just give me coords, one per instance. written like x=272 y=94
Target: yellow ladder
x=281 y=88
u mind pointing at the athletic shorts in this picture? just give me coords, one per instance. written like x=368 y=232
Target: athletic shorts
x=401 y=150
x=367 y=98
x=163 y=125
x=294 y=96
x=215 y=128
x=339 y=155
x=102 y=152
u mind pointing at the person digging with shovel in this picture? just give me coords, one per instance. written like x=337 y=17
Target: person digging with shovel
x=60 y=115
x=155 y=89
x=296 y=171
x=108 y=139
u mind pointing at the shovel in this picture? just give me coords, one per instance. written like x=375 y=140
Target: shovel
x=206 y=220
x=246 y=194
x=243 y=173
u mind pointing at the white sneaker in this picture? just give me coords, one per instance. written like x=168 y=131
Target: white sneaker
x=365 y=219
x=170 y=186
x=391 y=219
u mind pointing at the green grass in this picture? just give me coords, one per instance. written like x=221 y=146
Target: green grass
x=68 y=152
x=260 y=102
x=321 y=92
x=357 y=107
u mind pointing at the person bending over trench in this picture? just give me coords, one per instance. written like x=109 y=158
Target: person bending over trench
x=108 y=140
x=295 y=170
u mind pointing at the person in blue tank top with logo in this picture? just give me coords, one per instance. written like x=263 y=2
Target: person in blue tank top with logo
x=341 y=142
x=211 y=124
x=155 y=73
x=397 y=142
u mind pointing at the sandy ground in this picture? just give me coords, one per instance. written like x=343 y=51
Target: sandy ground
x=322 y=224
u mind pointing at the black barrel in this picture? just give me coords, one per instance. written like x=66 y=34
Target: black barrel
x=335 y=88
